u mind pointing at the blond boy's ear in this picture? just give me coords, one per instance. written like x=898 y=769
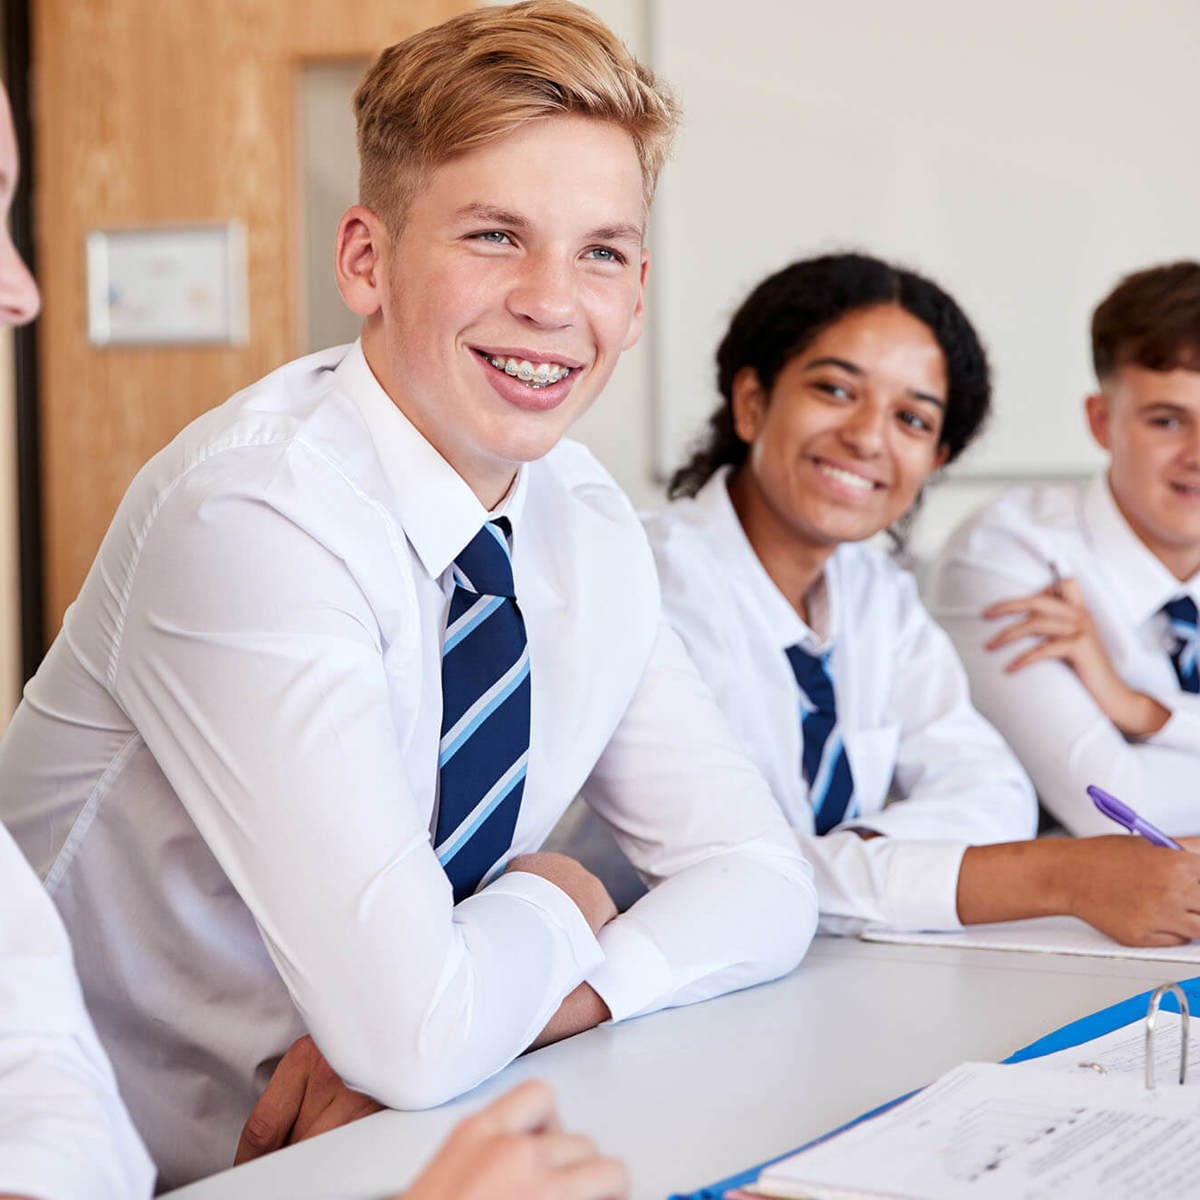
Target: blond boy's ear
x=357 y=264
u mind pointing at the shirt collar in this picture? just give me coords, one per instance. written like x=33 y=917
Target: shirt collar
x=1136 y=576
x=734 y=550
x=436 y=507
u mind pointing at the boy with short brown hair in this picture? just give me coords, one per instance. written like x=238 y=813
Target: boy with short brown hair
x=1092 y=677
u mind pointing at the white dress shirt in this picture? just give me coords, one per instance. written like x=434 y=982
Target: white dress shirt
x=227 y=769
x=929 y=772
x=64 y=1133
x=1066 y=742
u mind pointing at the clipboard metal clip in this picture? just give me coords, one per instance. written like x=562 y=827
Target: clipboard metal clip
x=1151 y=1014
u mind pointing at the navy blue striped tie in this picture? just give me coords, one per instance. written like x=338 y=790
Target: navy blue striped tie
x=485 y=713
x=1181 y=612
x=823 y=760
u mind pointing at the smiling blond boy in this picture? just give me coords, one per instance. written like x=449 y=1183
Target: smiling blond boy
x=357 y=637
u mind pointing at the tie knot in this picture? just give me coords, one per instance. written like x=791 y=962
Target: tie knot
x=1181 y=611
x=484 y=565
x=812 y=674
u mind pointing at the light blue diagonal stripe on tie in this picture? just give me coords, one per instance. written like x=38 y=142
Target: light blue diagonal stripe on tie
x=829 y=757
x=491 y=528
x=483 y=708
x=1187 y=634
x=484 y=809
x=479 y=611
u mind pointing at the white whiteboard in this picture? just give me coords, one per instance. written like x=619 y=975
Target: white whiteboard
x=1025 y=155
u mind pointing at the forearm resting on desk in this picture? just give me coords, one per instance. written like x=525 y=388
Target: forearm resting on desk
x=581 y=1010
x=1138 y=894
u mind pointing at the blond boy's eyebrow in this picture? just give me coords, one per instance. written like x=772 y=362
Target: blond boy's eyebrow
x=493 y=214
x=616 y=233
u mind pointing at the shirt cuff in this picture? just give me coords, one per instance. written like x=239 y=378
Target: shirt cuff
x=559 y=908
x=635 y=976
x=1182 y=730
x=922 y=884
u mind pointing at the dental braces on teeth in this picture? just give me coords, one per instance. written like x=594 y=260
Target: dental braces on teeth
x=543 y=375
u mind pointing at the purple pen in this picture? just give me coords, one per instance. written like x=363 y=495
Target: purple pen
x=1111 y=807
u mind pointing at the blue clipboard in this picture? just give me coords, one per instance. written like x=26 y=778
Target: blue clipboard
x=1105 y=1020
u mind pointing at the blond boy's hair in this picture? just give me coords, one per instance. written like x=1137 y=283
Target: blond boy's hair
x=481 y=75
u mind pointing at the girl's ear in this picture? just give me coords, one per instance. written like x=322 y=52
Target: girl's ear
x=749 y=403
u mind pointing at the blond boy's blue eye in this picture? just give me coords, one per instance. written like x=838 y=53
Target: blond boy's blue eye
x=606 y=254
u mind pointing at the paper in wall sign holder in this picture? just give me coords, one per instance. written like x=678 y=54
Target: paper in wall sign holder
x=164 y=285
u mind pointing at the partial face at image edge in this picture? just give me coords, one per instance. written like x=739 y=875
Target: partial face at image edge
x=19 y=299
x=1149 y=422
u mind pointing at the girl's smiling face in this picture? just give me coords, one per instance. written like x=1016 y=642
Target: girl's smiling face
x=848 y=434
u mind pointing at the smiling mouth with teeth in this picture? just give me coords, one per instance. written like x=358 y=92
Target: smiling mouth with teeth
x=539 y=376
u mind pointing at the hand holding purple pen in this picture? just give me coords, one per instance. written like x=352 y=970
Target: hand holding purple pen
x=1112 y=808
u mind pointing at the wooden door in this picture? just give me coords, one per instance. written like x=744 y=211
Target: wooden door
x=153 y=111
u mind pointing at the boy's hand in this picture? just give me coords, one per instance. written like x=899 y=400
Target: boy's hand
x=589 y=894
x=1139 y=894
x=515 y=1149
x=304 y=1097
x=1063 y=622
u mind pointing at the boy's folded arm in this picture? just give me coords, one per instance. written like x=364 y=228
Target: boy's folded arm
x=267 y=707
x=1056 y=728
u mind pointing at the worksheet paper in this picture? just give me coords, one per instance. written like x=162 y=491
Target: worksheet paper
x=1020 y=1132
x=1049 y=935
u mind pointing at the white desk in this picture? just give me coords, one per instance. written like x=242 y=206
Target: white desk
x=691 y=1095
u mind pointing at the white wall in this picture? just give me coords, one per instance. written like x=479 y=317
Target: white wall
x=1025 y=155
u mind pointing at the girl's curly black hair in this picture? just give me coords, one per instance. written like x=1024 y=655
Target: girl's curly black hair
x=786 y=312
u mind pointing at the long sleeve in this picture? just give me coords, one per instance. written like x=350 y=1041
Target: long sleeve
x=64 y=1133
x=896 y=882
x=268 y=710
x=1057 y=730
x=731 y=900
